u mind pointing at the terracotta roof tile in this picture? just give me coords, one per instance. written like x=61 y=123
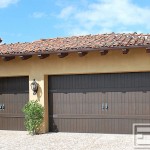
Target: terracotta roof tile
x=77 y=43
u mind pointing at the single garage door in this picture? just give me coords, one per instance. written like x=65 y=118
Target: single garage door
x=13 y=96
x=99 y=103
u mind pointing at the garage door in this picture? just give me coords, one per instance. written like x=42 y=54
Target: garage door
x=99 y=103
x=13 y=96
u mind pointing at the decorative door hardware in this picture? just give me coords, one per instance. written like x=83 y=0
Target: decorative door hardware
x=2 y=106
x=104 y=106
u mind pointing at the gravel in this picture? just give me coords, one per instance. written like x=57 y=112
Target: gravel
x=21 y=140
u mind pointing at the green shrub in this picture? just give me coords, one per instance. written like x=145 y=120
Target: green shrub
x=33 y=116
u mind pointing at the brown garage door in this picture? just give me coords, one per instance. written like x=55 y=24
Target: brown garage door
x=13 y=96
x=99 y=103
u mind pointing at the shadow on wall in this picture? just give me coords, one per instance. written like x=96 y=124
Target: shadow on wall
x=39 y=93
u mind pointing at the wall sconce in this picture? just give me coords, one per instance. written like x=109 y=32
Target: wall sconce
x=34 y=87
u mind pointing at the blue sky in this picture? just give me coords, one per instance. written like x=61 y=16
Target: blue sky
x=30 y=20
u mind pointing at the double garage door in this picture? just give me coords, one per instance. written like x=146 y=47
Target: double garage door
x=99 y=103
x=13 y=96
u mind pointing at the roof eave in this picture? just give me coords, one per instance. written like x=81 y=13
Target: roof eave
x=71 y=50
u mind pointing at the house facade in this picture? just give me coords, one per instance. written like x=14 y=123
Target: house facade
x=93 y=83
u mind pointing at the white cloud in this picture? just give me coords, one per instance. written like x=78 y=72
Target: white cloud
x=6 y=3
x=106 y=15
x=38 y=15
x=66 y=12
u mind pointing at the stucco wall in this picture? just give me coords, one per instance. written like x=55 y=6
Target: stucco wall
x=137 y=60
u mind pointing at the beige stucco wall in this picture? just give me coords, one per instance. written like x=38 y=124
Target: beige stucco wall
x=136 y=60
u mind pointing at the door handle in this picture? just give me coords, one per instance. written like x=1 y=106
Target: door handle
x=3 y=106
x=0 y=106
x=103 y=106
x=106 y=106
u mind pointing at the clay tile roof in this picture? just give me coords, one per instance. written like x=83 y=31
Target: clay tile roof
x=78 y=43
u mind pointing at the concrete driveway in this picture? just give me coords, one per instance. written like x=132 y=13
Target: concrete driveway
x=20 y=140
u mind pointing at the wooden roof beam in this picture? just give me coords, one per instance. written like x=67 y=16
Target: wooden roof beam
x=42 y=56
x=25 y=57
x=125 y=51
x=62 y=55
x=103 y=52
x=148 y=50
x=8 y=58
x=81 y=54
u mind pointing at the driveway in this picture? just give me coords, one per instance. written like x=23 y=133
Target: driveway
x=20 y=140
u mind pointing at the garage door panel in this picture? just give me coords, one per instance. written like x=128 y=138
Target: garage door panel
x=13 y=103
x=14 y=95
x=77 y=103
x=73 y=103
x=106 y=83
x=123 y=126
x=130 y=105
x=12 y=123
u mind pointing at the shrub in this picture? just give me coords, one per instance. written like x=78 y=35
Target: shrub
x=33 y=116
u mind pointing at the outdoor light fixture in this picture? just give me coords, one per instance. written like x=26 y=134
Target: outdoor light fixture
x=34 y=87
